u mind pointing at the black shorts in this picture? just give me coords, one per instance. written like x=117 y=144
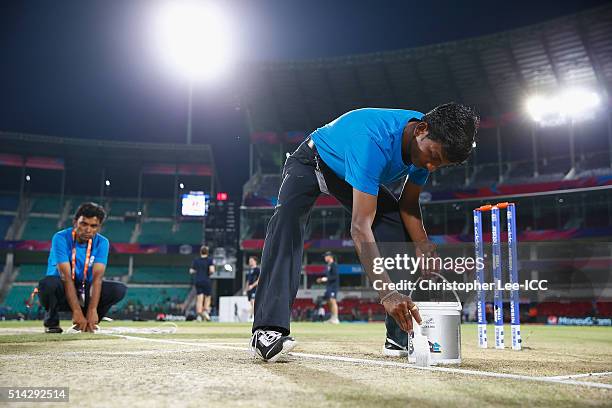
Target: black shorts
x=330 y=293
x=203 y=288
x=251 y=294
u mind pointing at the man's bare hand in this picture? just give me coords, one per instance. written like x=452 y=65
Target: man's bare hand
x=402 y=309
x=92 y=320
x=427 y=249
x=80 y=321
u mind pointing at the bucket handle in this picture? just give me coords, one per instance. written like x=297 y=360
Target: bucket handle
x=444 y=279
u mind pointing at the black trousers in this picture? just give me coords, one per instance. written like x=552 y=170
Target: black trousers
x=281 y=261
x=53 y=298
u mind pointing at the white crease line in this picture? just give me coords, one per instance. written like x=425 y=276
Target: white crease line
x=569 y=377
x=390 y=364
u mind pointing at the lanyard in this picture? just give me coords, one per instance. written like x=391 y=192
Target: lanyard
x=87 y=255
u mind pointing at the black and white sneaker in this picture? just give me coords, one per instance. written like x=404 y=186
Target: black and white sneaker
x=269 y=345
x=392 y=349
x=53 y=329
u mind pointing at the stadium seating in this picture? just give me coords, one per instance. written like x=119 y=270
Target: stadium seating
x=46 y=204
x=155 y=232
x=5 y=224
x=569 y=309
x=160 y=209
x=151 y=296
x=595 y=161
x=9 y=202
x=160 y=274
x=188 y=233
x=120 y=207
x=41 y=229
x=31 y=272
x=118 y=231
x=16 y=299
x=115 y=271
x=75 y=201
x=161 y=232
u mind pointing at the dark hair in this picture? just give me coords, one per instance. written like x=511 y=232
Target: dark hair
x=254 y=258
x=90 y=210
x=203 y=250
x=455 y=127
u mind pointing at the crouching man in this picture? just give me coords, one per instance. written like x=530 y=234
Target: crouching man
x=75 y=269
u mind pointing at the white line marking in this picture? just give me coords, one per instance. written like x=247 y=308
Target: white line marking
x=389 y=364
x=569 y=377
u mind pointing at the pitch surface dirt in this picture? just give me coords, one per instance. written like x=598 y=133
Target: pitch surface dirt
x=208 y=365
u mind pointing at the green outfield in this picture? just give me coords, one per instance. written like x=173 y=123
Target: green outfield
x=207 y=364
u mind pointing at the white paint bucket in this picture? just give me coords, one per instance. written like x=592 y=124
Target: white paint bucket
x=442 y=326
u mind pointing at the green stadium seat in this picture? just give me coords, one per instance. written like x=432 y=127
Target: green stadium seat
x=188 y=233
x=161 y=274
x=160 y=232
x=40 y=229
x=151 y=296
x=118 y=231
x=17 y=297
x=160 y=209
x=31 y=272
x=47 y=205
x=115 y=271
x=120 y=207
x=156 y=232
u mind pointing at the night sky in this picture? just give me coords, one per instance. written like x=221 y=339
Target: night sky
x=88 y=69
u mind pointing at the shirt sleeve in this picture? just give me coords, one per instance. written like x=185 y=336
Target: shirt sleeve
x=102 y=252
x=364 y=163
x=59 y=249
x=418 y=175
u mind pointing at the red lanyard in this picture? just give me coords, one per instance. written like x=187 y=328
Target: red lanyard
x=87 y=255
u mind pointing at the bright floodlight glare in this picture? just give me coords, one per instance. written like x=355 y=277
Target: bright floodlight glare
x=193 y=37
x=571 y=104
x=107 y=182
x=576 y=103
x=537 y=107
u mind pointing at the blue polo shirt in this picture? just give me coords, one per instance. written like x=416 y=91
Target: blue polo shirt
x=364 y=147
x=61 y=251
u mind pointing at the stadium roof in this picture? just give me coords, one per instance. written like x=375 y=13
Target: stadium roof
x=493 y=73
x=111 y=152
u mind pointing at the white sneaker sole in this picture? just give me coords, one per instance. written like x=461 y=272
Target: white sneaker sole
x=287 y=347
x=394 y=353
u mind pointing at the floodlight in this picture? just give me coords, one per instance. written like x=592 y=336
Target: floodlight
x=572 y=104
x=194 y=38
x=576 y=103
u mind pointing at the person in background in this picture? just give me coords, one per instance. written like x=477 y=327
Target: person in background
x=202 y=267
x=332 y=280
x=252 y=279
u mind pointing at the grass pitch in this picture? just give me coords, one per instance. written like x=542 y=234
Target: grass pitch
x=206 y=364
